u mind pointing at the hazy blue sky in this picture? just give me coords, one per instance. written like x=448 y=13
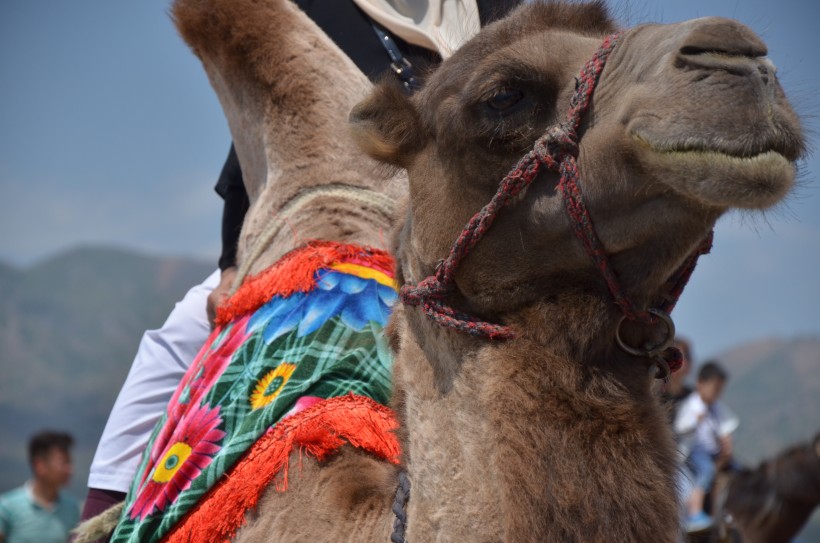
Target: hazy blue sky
x=110 y=133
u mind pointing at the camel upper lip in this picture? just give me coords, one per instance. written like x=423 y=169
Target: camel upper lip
x=720 y=148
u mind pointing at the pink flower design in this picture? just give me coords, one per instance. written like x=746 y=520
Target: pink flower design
x=209 y=364
x=191 y=447
x=206 y=368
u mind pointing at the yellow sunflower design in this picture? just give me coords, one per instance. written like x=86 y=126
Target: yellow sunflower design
x=270 y=385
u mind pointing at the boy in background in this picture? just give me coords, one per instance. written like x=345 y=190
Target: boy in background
x=704 y=426
x=39 y=511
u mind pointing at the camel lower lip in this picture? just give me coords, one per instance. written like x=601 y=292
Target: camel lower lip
x=718 y=178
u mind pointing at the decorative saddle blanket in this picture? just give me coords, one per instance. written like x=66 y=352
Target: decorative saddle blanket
x=298 y=359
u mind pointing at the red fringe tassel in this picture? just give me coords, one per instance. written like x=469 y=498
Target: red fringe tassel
x=319 y=431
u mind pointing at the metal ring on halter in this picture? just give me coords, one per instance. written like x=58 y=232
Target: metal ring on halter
x=649 y=351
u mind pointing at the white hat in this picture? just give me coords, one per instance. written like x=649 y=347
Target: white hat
x=439 y=25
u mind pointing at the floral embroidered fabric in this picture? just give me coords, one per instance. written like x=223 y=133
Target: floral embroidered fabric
x=288 y=354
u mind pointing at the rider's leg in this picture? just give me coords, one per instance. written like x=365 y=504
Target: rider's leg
x=703 y=467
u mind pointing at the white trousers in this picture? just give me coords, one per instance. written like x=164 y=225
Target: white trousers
x=162 y=359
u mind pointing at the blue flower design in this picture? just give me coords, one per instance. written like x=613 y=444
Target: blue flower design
x=355 y=300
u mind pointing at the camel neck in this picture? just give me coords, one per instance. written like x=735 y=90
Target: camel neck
x=519 y=440
x=309 y=207
x=799 y=464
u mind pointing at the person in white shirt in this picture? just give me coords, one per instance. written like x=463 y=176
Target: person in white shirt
x=704 y=426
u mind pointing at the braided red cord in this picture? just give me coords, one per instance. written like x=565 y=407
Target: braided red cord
x=557 y=150
x=558 y=146
x=677 y=282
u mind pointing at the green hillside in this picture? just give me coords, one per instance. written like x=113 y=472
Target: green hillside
x=774 y=387
x=69 y=328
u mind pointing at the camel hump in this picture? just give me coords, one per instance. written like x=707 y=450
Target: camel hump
x=240 y=29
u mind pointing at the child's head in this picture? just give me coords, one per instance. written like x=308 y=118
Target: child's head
x=711 y=379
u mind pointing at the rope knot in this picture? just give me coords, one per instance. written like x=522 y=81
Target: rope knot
x=428 y=289
x=559 y=141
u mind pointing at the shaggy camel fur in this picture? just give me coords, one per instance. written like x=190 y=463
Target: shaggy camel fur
x=555 y=435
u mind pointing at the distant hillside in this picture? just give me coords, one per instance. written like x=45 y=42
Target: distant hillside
x=69 y=328
x=774 y=386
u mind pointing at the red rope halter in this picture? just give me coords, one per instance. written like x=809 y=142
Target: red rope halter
x=557 y=150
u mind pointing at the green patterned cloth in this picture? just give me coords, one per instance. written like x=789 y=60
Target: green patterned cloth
x=287 y=355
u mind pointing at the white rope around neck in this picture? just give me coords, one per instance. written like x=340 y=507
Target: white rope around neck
x=367 y=198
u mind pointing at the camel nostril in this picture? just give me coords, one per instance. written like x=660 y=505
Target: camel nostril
x=734 y=51
x=717 y=44
x=725 y=37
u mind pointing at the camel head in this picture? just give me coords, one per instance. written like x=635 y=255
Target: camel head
x=687 y=121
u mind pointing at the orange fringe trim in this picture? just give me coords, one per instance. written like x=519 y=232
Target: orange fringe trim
x=296 y=272
x=319 y=431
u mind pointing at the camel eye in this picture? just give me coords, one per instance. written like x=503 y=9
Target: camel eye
x=505 y=98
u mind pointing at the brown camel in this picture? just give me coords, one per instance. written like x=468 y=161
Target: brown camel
x=773 y=501
x=553 y=435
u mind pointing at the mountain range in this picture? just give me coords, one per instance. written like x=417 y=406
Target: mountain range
x=69 y=327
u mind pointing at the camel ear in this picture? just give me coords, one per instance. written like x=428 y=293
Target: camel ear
x=386 y=126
